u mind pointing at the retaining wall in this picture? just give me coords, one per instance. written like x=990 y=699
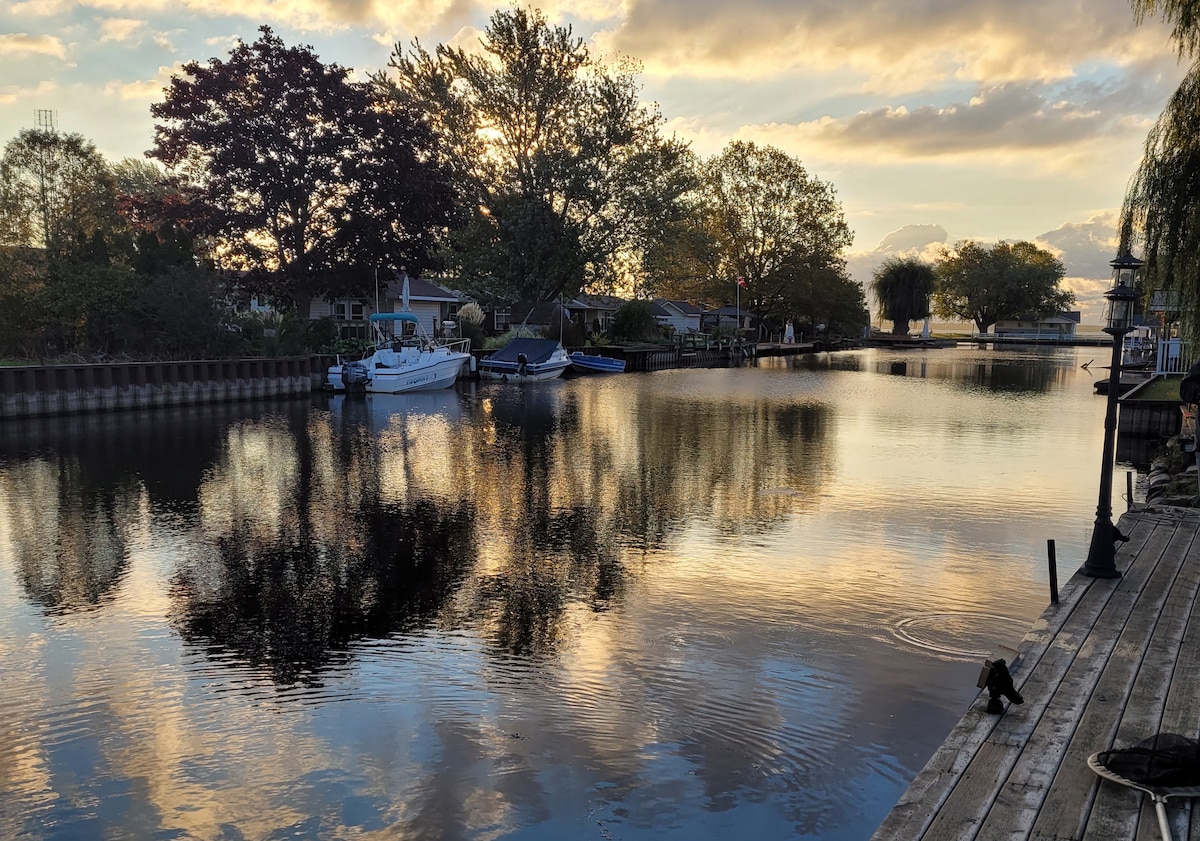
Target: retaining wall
x=29 y=391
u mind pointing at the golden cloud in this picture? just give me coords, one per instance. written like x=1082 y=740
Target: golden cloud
x=20 y=42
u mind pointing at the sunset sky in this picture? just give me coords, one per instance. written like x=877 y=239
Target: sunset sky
x=935 y=120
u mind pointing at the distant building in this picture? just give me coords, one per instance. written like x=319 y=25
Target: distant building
x=1031 y=326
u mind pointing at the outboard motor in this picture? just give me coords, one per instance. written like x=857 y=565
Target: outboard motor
x=355 y=376
x=522 y=362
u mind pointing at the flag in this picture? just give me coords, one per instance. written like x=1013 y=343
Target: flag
x=741 y=281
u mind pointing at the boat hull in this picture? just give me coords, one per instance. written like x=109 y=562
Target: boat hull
x=592 y=364
x=420 y=376
x=533 y=372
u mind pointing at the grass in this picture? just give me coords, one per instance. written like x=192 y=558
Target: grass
x=1160 y=388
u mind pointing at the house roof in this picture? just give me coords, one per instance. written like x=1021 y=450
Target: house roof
x=1059 y=318
x=596 y=302
x=540 y=312
x=419 y=289
x=682 y=306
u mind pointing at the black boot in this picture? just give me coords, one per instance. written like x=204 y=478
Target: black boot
x=1000 y=683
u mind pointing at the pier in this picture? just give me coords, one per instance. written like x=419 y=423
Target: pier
x=1114 y=662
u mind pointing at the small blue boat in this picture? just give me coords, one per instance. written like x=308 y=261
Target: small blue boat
x=587 y=363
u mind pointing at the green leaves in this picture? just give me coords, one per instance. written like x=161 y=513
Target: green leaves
x=985 y=284
x=903 y=287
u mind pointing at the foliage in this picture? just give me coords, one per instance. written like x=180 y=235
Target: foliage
x=1162 y=205
x=495 y=342
x=634 y=321
x=828 y=297
x=985 y=284
x=559 y=167
x=54 y=189
x=1182 y=15
x=903 y=286
x=302 y=174
x=760 y=216
x=471 y=314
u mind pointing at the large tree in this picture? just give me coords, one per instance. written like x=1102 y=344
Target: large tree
x=303 y=173
x=561 y=170
x=903 y=287
x=984 y=284
x=758 y=215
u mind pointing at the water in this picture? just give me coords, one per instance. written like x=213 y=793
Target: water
x=682 y=605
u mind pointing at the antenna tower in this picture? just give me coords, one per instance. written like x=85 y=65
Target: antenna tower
x=46 y=119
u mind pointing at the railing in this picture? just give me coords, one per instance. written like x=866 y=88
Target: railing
x=1171 y=358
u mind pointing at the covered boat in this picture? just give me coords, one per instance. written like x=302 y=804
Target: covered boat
x=526 y=359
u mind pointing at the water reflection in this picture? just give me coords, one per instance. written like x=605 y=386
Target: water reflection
x=68 y=529
x=692 y=604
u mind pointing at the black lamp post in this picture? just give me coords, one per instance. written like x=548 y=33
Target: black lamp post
x=1101 y=559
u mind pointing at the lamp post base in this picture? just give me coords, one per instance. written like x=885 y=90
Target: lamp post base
x=1102 y=554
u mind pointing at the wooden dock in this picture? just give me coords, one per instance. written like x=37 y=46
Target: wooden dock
x=1116 y=661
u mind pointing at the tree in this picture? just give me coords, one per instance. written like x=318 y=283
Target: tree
x=1182 y=15
x=634 y=320
x=1162 y=204
x=54 y=189
x=561 y=171
x=903 y=287
x=758 y=215
x=303 y=174
x=982 y=284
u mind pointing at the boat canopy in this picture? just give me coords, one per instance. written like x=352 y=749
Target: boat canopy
x=409 y=317
x=535 y=350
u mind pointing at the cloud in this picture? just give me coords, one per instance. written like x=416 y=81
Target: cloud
x=20 y=42
x=1086 y=248
x=890 y=46
x=119 y=29
x=145 y=89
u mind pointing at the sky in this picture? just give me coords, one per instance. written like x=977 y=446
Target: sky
x=934 y=120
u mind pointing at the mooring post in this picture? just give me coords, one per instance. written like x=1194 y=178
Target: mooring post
x=1128 y=489
x=1053 y=561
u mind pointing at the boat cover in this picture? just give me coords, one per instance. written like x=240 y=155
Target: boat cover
x=535 y=350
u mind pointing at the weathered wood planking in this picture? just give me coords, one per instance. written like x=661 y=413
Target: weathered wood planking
x=1114 y=662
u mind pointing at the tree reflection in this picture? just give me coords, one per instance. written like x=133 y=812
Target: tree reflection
x=292 y=606
x=69 y=527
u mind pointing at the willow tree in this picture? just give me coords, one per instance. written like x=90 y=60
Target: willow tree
x=903 y=287
x=1182 y=15
x=1162 y=205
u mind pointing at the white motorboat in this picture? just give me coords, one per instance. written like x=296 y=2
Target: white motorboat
x=415 y=362
x=526 y=360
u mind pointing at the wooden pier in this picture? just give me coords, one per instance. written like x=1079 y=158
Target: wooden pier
x=1116 y=661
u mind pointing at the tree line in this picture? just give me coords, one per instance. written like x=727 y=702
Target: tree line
x=973 y=282
x=524 y=169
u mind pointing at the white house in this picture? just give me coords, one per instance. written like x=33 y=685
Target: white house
x=1030 y=326
x=681 y=315
x=428 y=301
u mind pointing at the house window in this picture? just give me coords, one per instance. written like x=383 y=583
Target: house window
x=349 y=311
x=500 y=320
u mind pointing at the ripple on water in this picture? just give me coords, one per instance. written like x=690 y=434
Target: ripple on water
x=965 y=636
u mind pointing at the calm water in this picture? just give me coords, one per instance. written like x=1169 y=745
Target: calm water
x=684 y=605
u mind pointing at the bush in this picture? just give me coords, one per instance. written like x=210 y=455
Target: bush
x=635 y=322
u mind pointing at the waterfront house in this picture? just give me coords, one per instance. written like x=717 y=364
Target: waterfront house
x=428 y=301
x=594 y=313
x=682 y=316
x=1059 y=326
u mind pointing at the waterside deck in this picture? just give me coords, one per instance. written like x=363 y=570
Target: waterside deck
x=1116 y=661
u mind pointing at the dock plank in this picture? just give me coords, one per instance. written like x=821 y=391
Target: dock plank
x=1115 y=661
